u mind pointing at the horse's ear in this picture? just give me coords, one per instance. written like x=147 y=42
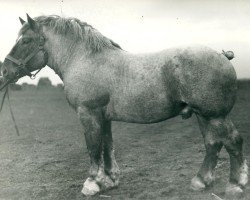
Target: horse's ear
x=21 y=20
x=32 y=23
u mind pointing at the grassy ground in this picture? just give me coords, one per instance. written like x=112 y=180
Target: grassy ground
x=49 y=159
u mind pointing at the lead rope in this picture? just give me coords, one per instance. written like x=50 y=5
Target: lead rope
x=11 y=111
x=4 y=95
x=33 y=76
x=6 y=92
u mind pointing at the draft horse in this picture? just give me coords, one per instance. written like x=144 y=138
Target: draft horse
x=104 y=83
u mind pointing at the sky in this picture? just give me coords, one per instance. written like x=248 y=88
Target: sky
x=143 y=25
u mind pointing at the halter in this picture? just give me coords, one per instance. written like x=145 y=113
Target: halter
x=22 y=64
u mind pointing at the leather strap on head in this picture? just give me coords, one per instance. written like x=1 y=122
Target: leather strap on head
x=22 y=64
x=12 y=59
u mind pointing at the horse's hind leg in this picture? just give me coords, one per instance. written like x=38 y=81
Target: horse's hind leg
x=217 y=132
x=93 y=123
x=213 y=145
x=238 y=167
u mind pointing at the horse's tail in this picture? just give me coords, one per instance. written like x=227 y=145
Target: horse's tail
x=228 y=54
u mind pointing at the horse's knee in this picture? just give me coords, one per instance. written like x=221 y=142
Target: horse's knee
x=213 y=144
x=228 y=134
x=234 y=142
x=236 y=138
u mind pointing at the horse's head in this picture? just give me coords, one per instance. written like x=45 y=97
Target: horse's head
x=28 y=53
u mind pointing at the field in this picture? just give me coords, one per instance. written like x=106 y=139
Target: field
x=49 y=159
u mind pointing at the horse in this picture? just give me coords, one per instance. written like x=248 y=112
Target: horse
x=104 y=83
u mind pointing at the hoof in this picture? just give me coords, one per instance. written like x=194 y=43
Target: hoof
x=208 y=179
x=90 y=187
x=104 y=181
x=234 y=192
x=197 y=184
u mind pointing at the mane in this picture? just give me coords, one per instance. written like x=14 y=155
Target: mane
x=78 y=30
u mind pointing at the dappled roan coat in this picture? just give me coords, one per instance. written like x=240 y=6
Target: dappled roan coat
x=104 y=83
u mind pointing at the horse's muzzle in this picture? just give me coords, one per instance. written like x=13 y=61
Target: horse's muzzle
x=10 y=72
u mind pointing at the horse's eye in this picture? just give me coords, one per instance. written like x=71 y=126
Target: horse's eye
x=26 y=40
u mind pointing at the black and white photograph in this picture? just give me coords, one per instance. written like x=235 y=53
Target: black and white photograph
x=124 y=100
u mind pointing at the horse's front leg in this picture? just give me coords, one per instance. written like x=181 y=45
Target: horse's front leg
x=110 y=165
x=94 y=127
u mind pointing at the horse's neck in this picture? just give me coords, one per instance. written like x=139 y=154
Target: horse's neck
x=60 y=51
x=65 y=53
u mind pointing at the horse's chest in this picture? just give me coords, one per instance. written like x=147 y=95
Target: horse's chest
x=87 y=94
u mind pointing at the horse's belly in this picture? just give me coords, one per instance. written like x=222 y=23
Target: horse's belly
x=142 y=109
x=143 y=95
